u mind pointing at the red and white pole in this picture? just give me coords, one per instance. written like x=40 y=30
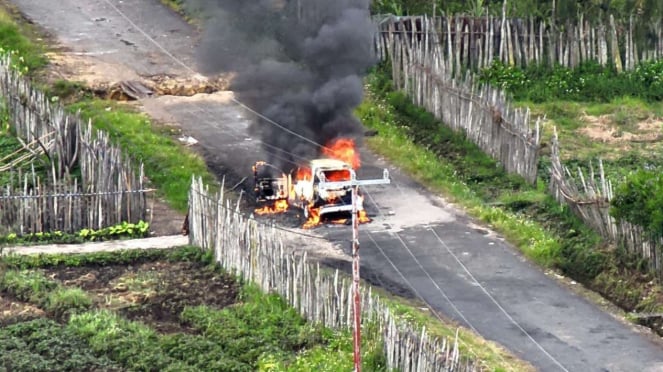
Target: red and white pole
x=355 y=281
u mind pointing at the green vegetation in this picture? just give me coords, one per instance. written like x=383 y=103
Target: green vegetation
x=27 y=285
x=168 y=165
x=589 y=82
x=176 y=5
x=44 y=345
x=639 y=200
x=621 y=105
x=448 y=163
x=491 y=355
x=258 y=332
x=562 y=10
x=28 y=57
x=123 y=257
x=264 y=328
x=121 y=231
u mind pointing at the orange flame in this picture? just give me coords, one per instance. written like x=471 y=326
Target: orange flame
x=362 y=216
x=279 y=206
x=343 y=149
x=337 y=175
x=303 y=174
x=313 y=218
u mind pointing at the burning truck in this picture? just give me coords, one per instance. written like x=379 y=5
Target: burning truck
x=317 y=188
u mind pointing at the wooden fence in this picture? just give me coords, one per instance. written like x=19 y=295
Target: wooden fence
x=483 y=113
x=475 y=42
x=421 y=70
x=106 y=189
x=589 y=196
x=257 y=253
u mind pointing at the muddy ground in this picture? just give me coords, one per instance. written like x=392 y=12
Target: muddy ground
x=154 y=293
x=14 y=311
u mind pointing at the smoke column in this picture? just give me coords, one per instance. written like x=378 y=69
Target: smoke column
x=298 y=62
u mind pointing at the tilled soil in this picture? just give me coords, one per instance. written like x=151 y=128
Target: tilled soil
x=14 y=311
x=154 y=293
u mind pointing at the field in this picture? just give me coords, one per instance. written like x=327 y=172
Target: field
x=155 y=310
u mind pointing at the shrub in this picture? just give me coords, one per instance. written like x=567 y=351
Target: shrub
x=588 y=81
x=65 y=301
x=28 y=285
x=43 y=345
x=639 y=200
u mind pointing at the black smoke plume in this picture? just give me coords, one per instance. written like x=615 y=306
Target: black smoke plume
x=297 y=62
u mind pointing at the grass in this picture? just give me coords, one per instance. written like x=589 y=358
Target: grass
x=260 y=332
x=619 y=115
x=547 y=233
x=15 y=38
x=168 y=165
x=395 y=142
x=260 y=316
x=192 y=15
x=44 y=345
x=491 y=355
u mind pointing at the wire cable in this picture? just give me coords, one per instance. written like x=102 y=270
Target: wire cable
x=270 y=225
x=269 y=120
x=195 y=73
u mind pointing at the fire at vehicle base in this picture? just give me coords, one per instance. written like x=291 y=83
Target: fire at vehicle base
x=304 y=189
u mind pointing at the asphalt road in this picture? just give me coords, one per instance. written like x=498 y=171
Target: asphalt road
x=416 y=242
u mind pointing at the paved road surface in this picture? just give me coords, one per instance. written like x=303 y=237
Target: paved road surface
x=416 y=239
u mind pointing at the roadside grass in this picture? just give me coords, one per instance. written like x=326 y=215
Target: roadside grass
x=17 y=37
x=492 y=356
x=168 y=165
x=190 y=14
x=28 y=57
x=546 y=232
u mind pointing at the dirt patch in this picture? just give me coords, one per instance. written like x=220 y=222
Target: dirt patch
x=155 y=292
x=106 y=80
x=14 y=311
x=164 y=220
x=603 y=129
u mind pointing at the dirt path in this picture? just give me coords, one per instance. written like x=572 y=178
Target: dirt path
x=160 y=242
x=417 y=242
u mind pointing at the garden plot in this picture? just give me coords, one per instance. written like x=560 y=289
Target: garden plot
x=155 y=310
x=154 y=293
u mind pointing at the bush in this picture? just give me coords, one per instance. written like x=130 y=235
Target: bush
x=43 y=345
x=132 y=344
x=261 y=324
x=66 y=301
x=30 y=286
x=639 y=200
x=123 y=230
x=588 y=82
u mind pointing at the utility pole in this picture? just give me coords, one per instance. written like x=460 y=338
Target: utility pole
x=354 y=183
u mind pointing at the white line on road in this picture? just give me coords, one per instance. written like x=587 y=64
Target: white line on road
x=502 y=309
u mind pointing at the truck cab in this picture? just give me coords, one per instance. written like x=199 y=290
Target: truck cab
x=310 y=189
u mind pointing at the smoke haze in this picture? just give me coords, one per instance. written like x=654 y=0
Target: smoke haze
x=299 y=62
